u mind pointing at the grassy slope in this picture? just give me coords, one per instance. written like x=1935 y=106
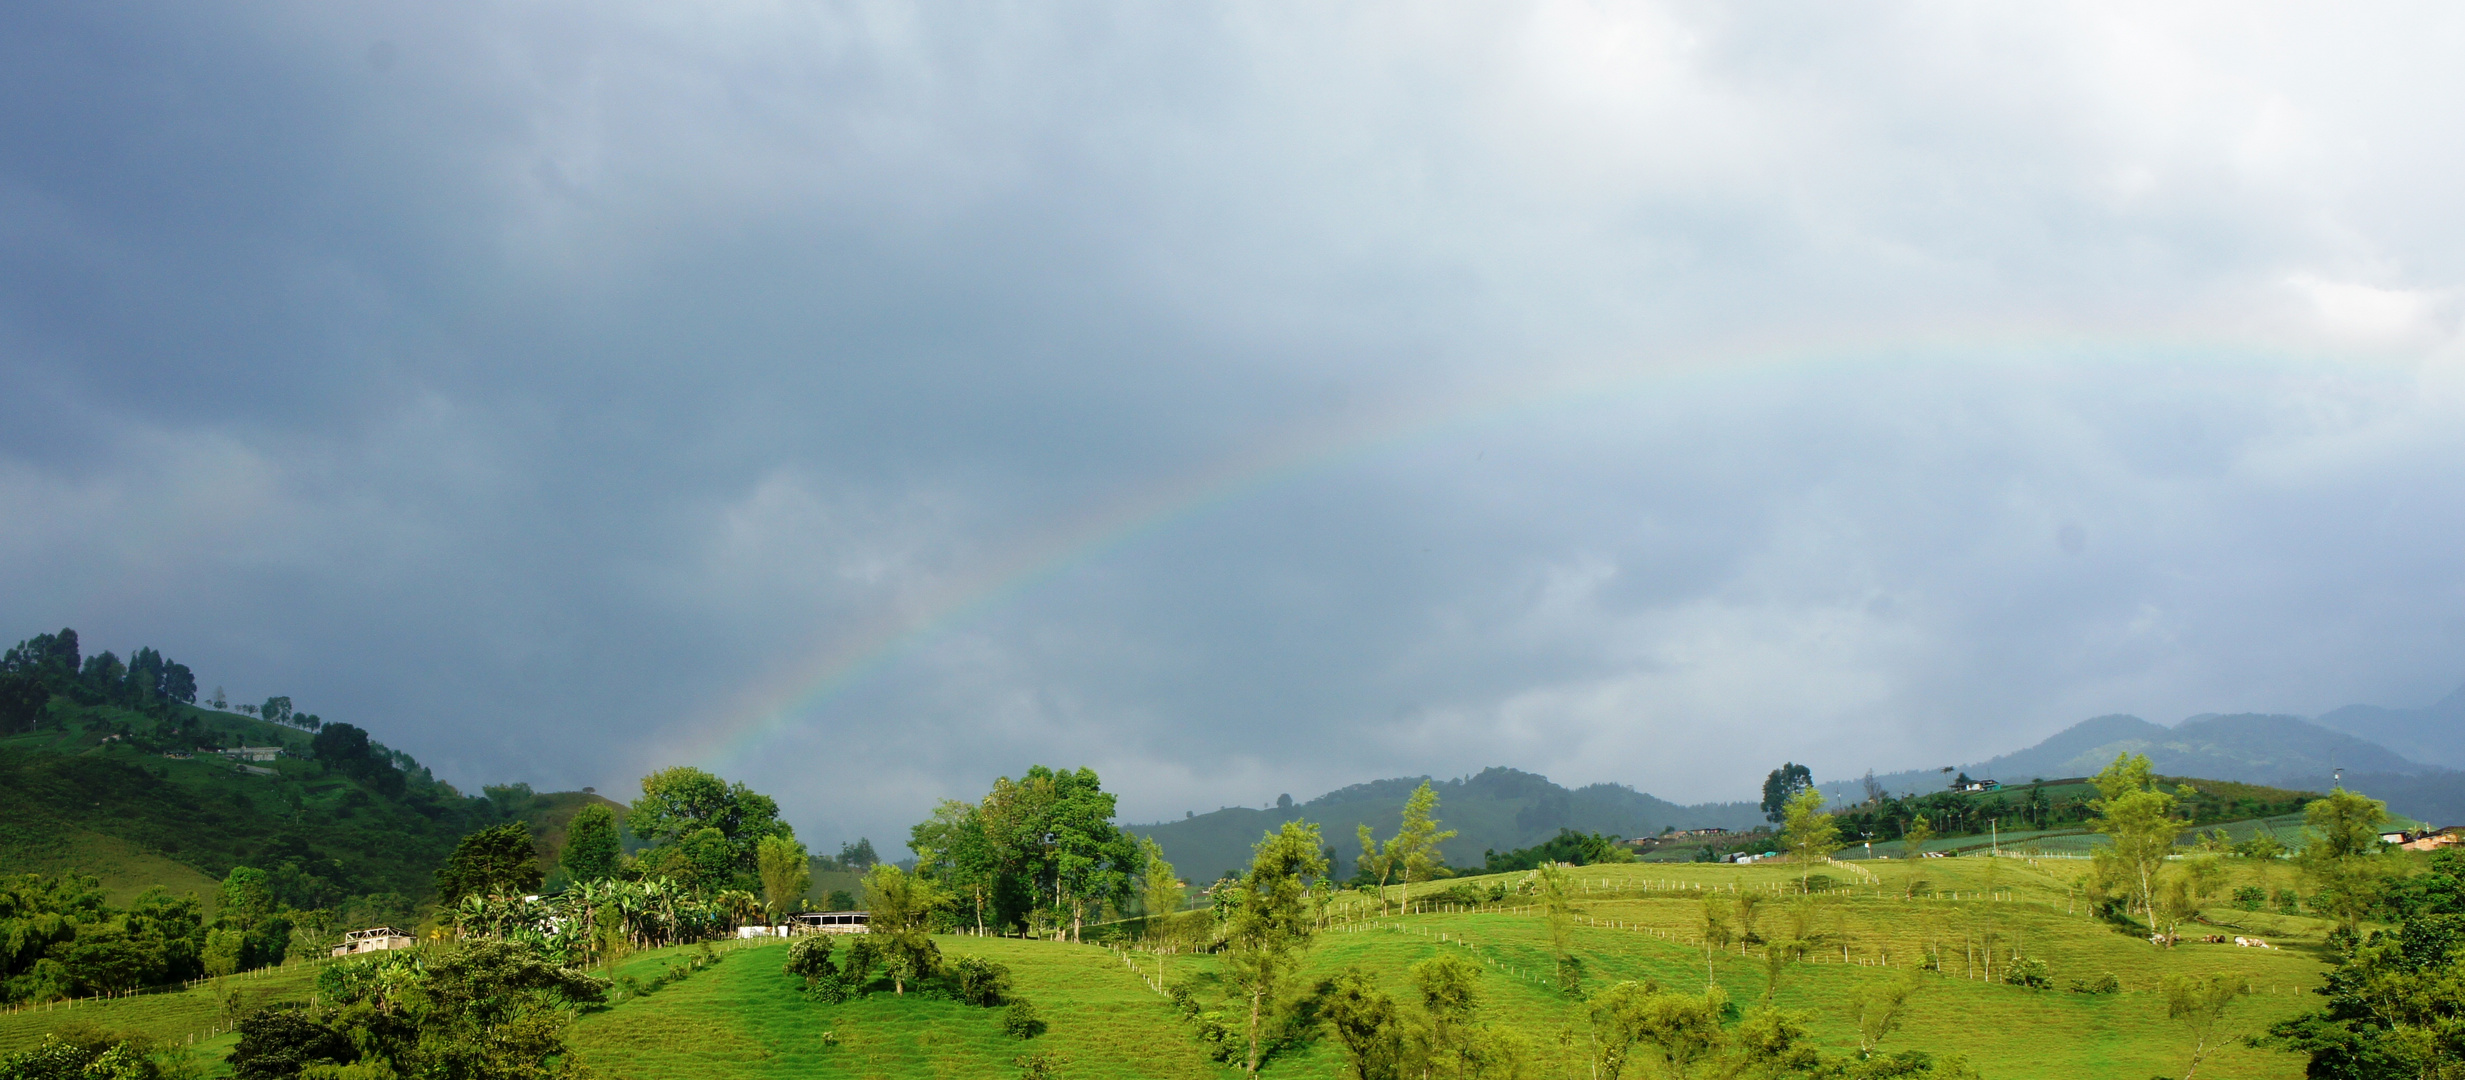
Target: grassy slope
x=744 y=1017
x=133 y=819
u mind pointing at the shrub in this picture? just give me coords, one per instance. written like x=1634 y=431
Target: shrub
x=2288 y=903
x=981 y=981
x=1570 y=975
x=2250 y=898
x=2027 y=971
x=1020 y=1020
x=809 y=957
x=1044 y=1065
x=2102 y=984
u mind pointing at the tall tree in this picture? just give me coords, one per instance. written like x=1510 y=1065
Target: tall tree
x=276 y=709
x=1092 y=858
x=1414 y=848
x=2198 y=1003
x=2340 y=855
x=496 y=861
x=2140 y=818
x=786 y=872
x=1783 y=785
x=900 y=910
x=1913 y=839
x=952 y=851
x=591 y=846
x=1269 y=919
x=1810 y=833
x=1162 y=891
x=678 y=803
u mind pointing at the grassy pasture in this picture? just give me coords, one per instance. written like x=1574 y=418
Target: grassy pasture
x=745 y=1017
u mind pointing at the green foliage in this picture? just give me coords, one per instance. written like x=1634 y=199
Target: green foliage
x=785 y=872
x=1268 y=920
x=2340 y=856
x=495 y=861
x=592 y=850
x=59 y=939
x=899 y=930
x=1022 y=1021
x=85 y=1056
x=2199 y=1003
x=2250 y=898
x=982 y=982
x=488 y=1010
x=1810 y=834
x=2102 y=983
x=248 y=932
x=704 y=830
x=2396 y=1007
x=1782 y=786
x=2027 y=972
x=1569 y=846
x=2140 y=819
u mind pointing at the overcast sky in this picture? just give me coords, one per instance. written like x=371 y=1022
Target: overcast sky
x=868 y=400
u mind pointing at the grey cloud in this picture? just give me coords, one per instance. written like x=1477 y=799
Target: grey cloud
x=545 y=387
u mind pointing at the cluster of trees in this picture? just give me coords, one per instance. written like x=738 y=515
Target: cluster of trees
x=1036 y=854
x=484 y=1009
x=2396 y=1000
x=59 y=939
x=1569 y=846
x=36 y=669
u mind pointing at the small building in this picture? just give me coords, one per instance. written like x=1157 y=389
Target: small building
x=831 y=922
x=373 y=939
x=253 y=753
x=2435 y=839
x=2397 y=837
x=1983 y=785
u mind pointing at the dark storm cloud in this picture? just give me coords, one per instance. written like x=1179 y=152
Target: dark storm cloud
x=546 y=388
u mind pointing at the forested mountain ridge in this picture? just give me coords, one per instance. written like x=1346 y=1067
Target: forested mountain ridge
x=2434 y=733
x=115 y=771
x=1498 y=808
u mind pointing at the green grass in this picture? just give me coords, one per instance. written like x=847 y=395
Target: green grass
x=745 y=1017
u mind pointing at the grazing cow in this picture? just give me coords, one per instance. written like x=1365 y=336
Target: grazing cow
x=2252 y=943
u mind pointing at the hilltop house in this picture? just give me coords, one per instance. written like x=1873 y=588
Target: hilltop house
x=252 y=753
x=373 y=939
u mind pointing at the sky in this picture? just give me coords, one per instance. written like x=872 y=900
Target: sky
x=867 y=400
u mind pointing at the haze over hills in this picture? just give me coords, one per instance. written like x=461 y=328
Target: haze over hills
x=1499 y=808
x=2434 y=733
x=2255 y=748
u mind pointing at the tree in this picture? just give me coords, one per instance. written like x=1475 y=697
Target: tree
x=1375 y=863
x=487 y=1010
x=591 y=847
x=1414 y=849
x=1450 y=999
x=2340 y=845
x=1367 y=1022
x=23 y=697
x=786 y=872
x=899 y=927
x=1811 y=834
x=1783 y=785
x=276 y=709
x=1092 y=858
x=2199 y=1002
x=1878 y=1008
x=249 y=931
x=2140 y=819
x=1163 y=893
x=2396 y=1007
x=1913 y=839
x=858 y=855
x=952 y=850
x=1718 y=932
x=678 y=803
x=1270 y=918
x=1678 y=1032
x=495 y=861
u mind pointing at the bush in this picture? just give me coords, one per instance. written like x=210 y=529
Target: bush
x=2102 y=984
x=1044 y=1065
x=1570 y=976
x=982 y=982
x=2288 y=903
x=809 y=957
x=2250 y=898
x=2027 y=971
x=1020 y=1021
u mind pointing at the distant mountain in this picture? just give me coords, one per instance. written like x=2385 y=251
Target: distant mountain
x=2253 y=748
x=2434 y=733
x=1499 y=808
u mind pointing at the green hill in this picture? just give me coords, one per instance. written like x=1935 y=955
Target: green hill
x=131 y=800
x=1501 y=809
x=744 y=1017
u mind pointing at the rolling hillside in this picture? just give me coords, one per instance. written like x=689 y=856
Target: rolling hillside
x=1499 y=808
x=2433 y=733
x=89 y=791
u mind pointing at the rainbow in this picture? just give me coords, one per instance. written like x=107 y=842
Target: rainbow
x=829 y=669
